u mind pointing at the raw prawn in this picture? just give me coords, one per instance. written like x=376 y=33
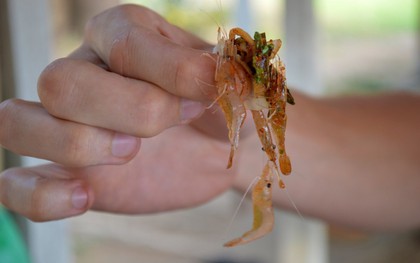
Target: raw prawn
x=250 y=76
x=263 y=210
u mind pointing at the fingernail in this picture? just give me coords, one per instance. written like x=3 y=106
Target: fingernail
x=124 y=145
x=190 y=109
x=79 y=198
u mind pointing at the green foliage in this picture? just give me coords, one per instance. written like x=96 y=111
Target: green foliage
x=339 y=18
x=356 y=18
x=199 y=17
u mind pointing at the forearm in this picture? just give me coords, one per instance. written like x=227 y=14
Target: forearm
x=356 y=160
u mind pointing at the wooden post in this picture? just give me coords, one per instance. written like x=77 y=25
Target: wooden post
x=3 y=27
x=302 y=240
x=418 y=46
x=30 y=49
x=6 y=64
x=1 y=99
x=302 y=54
x=243 y=16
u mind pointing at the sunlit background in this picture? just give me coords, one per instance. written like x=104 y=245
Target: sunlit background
x=362 y=47
x=365 y=46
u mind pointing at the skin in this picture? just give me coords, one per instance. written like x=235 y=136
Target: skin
x=123 y=120
x=355 y=160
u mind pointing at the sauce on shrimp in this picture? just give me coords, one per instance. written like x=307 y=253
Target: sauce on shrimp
x=251 y=77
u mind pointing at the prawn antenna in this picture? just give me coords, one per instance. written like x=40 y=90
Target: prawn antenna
x=210 y=16
x=235 y=214
x=209 y=56
x=206 y=91
x=219 y=24
x=289 y=197
x=217 y=99
x=293 y=204
x=199 y=82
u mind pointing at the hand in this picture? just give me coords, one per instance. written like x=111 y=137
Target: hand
x=135 y=76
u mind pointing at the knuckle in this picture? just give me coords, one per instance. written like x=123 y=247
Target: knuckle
x=58 y=84
x=157 y=117
x=30 y=196
x=37 y=210
x=150 y=123
x=122 y=48
x=50 y=81
x=182 y=73
x=124 y=11
x=33 y=209
x=191 y=74
x=129 y=9
x=137 y=13
x=77 y=145
x=126 y=41
x=150 y=128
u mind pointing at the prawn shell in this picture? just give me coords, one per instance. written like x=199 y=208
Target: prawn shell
x=263 y=221
x=251 y=76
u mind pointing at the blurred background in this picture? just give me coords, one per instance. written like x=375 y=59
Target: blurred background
x=330 y=48
x=364 y=46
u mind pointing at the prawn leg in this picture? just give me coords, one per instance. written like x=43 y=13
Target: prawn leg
x=263 y=221
x=265 y=136
x=277 y=113
x=278 y=123
x=233 y=85
x=235 y=114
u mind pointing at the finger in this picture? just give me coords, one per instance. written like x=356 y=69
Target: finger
x=136 y=42
x=27 y=129
x=35 y=194
x=84 y=52
x=80 y=91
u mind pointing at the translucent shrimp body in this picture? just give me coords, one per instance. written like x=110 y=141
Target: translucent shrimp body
x=249 y=76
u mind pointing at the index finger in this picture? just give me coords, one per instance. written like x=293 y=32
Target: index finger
x=138 y=43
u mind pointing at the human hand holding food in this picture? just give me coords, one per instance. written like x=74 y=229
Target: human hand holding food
x=111 y=111
x=135 y=76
